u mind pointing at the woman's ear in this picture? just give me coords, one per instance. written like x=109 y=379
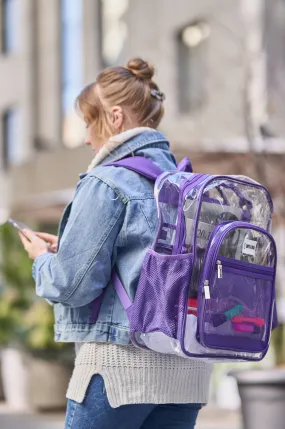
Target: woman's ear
x=117 y=118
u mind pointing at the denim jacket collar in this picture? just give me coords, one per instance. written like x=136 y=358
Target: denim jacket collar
x=135 y=143
x=139 y=141
x=114 y=143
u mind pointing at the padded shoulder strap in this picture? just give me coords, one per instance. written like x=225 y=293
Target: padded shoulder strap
x=140 y=165
x=147 y=168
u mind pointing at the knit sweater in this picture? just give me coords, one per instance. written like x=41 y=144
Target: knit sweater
x=137 y=376
x=132 y=375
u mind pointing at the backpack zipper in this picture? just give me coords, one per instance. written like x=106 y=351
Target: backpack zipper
x=245 y=266
x=220 y=269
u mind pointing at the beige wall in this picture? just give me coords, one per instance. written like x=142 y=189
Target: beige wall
x=48 y=81
x=221 y=116
x=17 y=79
x=91 y=39
x=17 y=90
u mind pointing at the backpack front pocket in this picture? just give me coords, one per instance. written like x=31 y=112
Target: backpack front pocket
x=238 y=290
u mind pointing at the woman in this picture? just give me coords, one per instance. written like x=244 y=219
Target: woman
x=109 y=225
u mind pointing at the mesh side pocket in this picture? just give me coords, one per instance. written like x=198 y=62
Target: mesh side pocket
x=162 y=293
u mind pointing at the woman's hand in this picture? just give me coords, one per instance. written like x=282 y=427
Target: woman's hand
x=51 y=239
x=34 y=245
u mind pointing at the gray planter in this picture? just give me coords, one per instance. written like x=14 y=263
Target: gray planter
x=48 y=384
x=1 y=383
x=14 y=371
x=262 y=395
x=33 y=383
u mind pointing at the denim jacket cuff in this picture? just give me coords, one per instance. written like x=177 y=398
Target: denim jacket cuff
x=38 y=262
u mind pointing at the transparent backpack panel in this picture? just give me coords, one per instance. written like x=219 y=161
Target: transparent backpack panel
x=223 y=200
x=237 y=310
x=167 y=192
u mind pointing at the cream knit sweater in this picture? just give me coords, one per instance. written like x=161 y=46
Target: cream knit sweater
x=132 y=375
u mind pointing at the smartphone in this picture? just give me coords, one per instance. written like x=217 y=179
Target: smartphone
x=19 y=226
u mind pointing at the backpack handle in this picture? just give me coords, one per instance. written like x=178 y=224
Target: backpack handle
x=185 y=165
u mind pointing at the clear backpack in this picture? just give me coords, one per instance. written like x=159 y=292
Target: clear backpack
x=207 y=285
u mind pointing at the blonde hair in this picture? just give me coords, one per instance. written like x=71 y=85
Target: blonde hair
x=130 y=87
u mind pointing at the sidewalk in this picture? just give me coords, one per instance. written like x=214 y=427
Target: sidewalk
x=210 y=418
x=215 y=418
x=14 y=420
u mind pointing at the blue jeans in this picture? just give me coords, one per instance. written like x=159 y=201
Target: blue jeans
x=96 y=413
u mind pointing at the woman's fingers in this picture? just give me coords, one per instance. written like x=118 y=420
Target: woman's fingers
x=34 y=245
x=46 y=236
x=50 y=238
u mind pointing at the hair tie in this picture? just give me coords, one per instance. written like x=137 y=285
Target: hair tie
x=157 y=94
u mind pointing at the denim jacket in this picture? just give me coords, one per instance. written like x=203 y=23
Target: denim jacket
x=108 y=226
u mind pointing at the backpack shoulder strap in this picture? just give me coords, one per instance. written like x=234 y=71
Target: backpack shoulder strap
x=119 y=288
x=143 y=166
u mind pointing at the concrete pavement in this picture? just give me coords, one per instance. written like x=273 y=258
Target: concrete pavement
x=214 y=418
x=12 y=421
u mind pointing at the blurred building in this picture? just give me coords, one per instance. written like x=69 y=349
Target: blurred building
x=220 y=63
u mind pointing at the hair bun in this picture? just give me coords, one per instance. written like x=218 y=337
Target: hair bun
x=141 y=69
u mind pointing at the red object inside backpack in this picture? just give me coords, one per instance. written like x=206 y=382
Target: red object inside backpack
x=192 y=306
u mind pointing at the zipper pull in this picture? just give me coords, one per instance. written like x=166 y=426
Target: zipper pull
x=207 y=289
x=220 y=269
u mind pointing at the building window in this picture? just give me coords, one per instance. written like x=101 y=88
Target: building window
x=114 y=31
x=192 y=56
x=9 y=25
x=12 y=144
x=72 y=68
